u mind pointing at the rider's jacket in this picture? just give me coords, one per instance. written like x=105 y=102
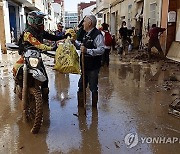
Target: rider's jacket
x=34 y=37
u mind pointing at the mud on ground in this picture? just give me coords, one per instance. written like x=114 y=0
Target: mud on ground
x=170 y=69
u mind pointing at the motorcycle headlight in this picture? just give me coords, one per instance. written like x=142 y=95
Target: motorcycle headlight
x=33 y=62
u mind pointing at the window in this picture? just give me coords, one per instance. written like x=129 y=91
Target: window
x=104 y=18
x=129 y=15
x=130 y=12
x=152 y=13
x=99 y=15
x=116 y=21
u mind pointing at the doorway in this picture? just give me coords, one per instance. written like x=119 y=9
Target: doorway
x=13 y=25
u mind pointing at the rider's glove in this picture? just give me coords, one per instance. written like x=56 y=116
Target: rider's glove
x=68 y=34
x=54 y=47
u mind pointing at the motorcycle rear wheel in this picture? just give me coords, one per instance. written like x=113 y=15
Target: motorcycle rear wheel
x=34 y=110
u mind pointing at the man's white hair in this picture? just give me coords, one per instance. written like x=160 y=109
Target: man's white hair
x=93 y=19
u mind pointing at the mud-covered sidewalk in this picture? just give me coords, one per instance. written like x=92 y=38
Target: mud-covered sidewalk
x=132 y=114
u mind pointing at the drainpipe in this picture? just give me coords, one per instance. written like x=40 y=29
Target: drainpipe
x=160 y=14
x=160 y=18
x=110 y=16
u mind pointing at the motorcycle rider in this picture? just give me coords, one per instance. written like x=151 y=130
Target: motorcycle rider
x=33 y=35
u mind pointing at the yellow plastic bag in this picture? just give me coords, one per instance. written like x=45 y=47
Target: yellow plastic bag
x=72 y=32
x=67 y=59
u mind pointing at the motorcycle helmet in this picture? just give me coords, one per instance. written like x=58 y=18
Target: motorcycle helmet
x=36 y=19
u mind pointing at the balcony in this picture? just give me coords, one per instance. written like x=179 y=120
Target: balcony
x=31 y=4
x=102 y=5
x=115 y=2
x=27 y=3
x=37 y=4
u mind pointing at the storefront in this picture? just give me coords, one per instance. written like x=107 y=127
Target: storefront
x=171 y=21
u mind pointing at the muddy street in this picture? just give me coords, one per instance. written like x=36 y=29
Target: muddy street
x=132 y=114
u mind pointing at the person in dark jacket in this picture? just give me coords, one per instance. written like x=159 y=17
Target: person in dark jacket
x=154 y=40
x=59 y=31
x=123 y=35
x=105 y=56
x=93 y=48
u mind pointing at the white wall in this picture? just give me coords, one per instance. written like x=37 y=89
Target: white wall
x=22 y=18
x=178 y=26
x=88 y=10
x=6 y=22
x=57 y=14
x=56 y=7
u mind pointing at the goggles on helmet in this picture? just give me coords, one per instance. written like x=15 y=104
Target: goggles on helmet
x=39 y=21
x=35 y=18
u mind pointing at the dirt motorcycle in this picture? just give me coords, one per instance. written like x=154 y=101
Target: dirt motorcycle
x=28 y=82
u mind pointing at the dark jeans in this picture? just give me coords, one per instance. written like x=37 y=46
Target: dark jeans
x=91 y=77
x=126 y=41
x=156 y=44
x=105 y=57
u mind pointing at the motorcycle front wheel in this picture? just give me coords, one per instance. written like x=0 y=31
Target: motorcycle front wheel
x=34 y=110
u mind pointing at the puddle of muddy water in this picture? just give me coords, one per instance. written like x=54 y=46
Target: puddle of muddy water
x=129 y=102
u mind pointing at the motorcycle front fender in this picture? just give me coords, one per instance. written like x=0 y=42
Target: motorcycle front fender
x=38 y=75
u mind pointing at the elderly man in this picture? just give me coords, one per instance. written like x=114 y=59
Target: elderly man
x=93 y=48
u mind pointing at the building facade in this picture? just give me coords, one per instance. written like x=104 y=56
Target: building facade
x=87 y=11
x=14 y=17
x=59 y=11
x=71 y=19
x=141 y=14
x=81 y=6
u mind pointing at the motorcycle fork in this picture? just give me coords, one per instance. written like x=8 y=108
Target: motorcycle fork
x=24 y=91
x=15 y=87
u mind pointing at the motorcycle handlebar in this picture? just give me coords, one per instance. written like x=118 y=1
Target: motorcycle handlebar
x=12 y=46
x=49 y=53
x=15 y=47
